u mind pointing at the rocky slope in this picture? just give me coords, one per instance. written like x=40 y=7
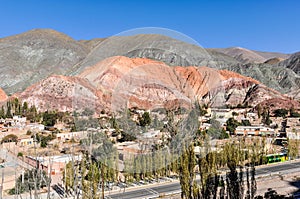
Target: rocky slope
x=139 y=82
x=3 y=95
x=31 y=56
x=250 y=56
x=274 y=103
x=63 y=93
x=177 y=53
x=145 y=83
x=293 y=63
x=274 y=61
x=281 y=79
x=157 y=47
x=241 y=54
x=120 y=82
x=295 y=94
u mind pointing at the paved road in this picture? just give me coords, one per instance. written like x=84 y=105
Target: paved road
x=155 y=191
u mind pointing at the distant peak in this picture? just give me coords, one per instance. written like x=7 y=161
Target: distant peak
x=240 y=48
x=41 y=33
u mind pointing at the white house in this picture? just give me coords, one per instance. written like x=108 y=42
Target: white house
x=36 y=126
x=71 y=135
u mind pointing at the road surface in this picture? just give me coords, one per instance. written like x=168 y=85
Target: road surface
x=153 y=191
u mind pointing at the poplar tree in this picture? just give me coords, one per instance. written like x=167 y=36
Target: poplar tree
x=186 y=172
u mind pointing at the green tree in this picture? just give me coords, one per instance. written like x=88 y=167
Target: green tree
x=16 y=106
x=293 y=148
x=216 y=131
x=8 y=110
x=280 y=113
x=32 y=114
x=293 y=113
x=125 y=137
x=10 y=138
x=235 y=113
x=20 y=154
x=31 y=180
x=186 y=172
x=49 y=118
x=266 y=117
x=43 y=140
x=2 y=113
x=231 y=125
x=25 y=108
x=259 y=110
x=246 y=123
x=145 y=120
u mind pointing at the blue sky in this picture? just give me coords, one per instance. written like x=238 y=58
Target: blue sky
x=267 y=25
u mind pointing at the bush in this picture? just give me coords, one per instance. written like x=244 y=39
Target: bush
x=49 y=118
x=280 y=112
x=30 y=176
x=10 y=138
x=246 y=123
x=126 y=137
x=145 y=120
x=43 y=140
x=295 y=114
x=235 y=113
x=224 y=135
x=231 y=125
x=20 y=154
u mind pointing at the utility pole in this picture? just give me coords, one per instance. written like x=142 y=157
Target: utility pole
x=36 y=169
x=2 y=178
x=50 y=177
x=102 y=176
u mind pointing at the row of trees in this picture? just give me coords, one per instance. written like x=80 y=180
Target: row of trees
x=264 y=114
x=99 y=169
x=284 y=113
x=212 y=183
x=15 y=107
x=48 y=118
x=237 y=158
x=30 y=181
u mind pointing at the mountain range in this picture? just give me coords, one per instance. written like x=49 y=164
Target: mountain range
x=120 y=82
x=44 y=65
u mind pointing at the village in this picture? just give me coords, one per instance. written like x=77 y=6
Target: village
x=52 y=147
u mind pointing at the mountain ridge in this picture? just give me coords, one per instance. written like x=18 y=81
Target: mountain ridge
x=29 y=57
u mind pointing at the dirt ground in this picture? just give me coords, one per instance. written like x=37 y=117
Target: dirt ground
x=284 y=185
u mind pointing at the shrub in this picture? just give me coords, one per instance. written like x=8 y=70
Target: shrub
x=246 y=123
x=295 y=114
x=126 y=137
x=10 y=138
x=28 y=132
x=30 y=176
x=145 y=120
x=280 y=112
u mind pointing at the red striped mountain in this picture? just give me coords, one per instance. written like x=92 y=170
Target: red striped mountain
x=3 y=95
x=146 y=83
x=118 y=82
x=63 y=93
